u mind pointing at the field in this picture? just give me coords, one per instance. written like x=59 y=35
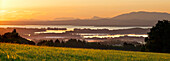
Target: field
x=42 y=53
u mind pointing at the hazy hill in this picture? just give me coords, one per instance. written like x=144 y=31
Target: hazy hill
x=142 y=15
x=140 y=18
x=16 y=52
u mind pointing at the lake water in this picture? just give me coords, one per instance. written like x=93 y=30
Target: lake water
x=71 y=27
x=84 y=35
x=114 y=36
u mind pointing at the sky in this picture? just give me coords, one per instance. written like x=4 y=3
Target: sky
x=20 y=10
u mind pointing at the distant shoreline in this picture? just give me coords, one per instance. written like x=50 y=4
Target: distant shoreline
x=87 y=25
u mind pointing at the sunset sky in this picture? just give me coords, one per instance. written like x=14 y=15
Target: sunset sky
x=12 y=10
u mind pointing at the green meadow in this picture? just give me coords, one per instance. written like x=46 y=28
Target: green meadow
x=20 y=52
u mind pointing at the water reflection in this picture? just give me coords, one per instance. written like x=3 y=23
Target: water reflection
x=54 y=37
x=90 y=34
x=114 y=36
x=52 y=31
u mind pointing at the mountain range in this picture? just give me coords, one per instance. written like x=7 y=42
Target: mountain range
x=140 y=18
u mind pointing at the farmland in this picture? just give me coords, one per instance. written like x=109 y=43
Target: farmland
x=17 y=52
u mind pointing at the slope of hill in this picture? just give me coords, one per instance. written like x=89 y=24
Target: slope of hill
x=43 y=53
x=142 y=15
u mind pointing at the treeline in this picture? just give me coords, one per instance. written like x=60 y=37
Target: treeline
x=75 y=43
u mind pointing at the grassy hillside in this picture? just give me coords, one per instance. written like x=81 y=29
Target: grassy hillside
x=42 y=53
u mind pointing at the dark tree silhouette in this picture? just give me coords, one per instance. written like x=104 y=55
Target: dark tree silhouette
x=14 y=31
x=46 y=43
x=158 y=38
x=13 y=37
x=57 y=41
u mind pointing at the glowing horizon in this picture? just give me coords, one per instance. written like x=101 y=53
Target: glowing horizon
x=49 y=10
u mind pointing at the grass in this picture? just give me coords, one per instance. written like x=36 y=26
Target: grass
x=10 y=52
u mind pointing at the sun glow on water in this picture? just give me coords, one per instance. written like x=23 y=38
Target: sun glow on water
x=52 y=31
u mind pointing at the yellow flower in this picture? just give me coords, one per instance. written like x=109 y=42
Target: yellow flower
x=8 y=56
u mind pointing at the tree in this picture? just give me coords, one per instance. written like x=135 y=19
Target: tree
x=46 y=43
x=14 y=31
x=57 y=41
x=158 y=38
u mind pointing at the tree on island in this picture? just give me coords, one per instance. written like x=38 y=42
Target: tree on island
x=158 y=39
x=14 y=37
